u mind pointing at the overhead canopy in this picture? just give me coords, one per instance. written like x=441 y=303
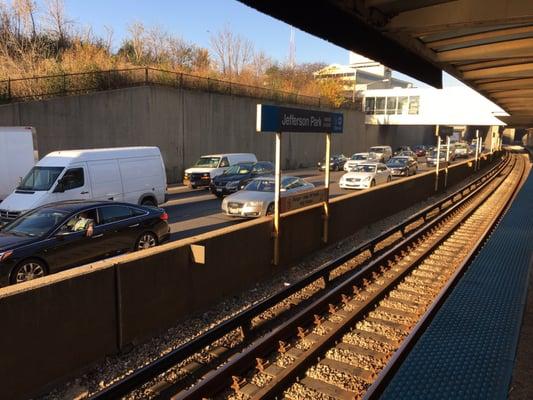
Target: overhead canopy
x=487 y=44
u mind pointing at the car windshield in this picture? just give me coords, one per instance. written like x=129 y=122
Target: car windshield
x=365 y=168
x=36 y=223
x=376 y=150
x=207 y=162
x=40 y=178
x=397 y=162
x=359 y=157
x=239 y=169
x=261 y=185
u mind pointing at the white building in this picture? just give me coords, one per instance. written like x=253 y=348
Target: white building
x=428 y=106
x=361 y=74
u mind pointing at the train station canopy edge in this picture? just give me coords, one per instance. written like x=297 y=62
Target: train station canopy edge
x=487 y=44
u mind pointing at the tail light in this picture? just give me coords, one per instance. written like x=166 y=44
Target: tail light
x=163 y=217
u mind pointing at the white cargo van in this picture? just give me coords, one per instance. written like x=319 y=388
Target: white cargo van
x=207 y=167
x=130 y=174
x=18 y=154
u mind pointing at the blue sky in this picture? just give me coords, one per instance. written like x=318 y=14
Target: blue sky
x=194 y=21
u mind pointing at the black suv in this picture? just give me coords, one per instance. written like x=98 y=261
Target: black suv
x=238 y=175
x=63 y=235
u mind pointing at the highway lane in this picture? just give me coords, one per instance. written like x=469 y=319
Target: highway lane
x=195 y=211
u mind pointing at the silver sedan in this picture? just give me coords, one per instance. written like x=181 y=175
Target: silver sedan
x=257 y=198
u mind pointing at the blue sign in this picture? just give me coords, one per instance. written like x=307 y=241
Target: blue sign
x=284 y=119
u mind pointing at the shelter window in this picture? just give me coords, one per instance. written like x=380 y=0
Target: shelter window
x=380 y=105
x=414 y=104
x=403 y=105
x=391 y=105
x=370 y=103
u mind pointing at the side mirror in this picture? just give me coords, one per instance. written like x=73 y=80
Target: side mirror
x=60 y=187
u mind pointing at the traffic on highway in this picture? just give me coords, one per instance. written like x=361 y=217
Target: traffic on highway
x=74 y=207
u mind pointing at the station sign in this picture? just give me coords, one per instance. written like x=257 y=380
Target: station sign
x=285 y=119
x=303 y=199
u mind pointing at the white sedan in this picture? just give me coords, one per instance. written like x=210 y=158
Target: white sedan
x=355 y=160
x=365 y=176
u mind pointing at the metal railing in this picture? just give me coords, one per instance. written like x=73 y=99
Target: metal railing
x=42 y=87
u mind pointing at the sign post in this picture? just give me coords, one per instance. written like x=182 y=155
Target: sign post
x=326 y=184
x=437 y=162
x=477 y=150
x=277 y=191
x=284 y=119
x=447 y=161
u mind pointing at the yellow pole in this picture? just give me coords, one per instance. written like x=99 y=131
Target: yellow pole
x=447 y=161
x=277 y=191
x=437 y=163
x=326 y=184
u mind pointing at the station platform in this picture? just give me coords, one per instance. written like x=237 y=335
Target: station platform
x=469 y=350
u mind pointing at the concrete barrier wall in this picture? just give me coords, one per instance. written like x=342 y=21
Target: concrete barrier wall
x=186 y=124
x=60 y=324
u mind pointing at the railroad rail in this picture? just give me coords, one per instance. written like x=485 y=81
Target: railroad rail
x=353 y=316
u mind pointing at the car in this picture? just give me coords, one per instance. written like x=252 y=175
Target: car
x=126 y=174
x=420 y=150
x=431 y=158
x=336 y=163
x=238 y=176
x=401 y=149
x=257 y=198
x=354 y=160
x=402 y=166
x=408 y=153
x=462 y=150
x=365 y=176
x=380 y=153
x=67 y=234
x=209 y=166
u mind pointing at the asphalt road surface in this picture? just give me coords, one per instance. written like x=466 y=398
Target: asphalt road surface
x=195 y=211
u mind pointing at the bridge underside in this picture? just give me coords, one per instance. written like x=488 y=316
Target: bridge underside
x=487 y=44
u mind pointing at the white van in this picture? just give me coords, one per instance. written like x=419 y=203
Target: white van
x=18 y=154
x=380 y=153
x=207 y=167
x=130 y=174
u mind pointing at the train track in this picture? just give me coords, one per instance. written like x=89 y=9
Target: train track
x=340 y=338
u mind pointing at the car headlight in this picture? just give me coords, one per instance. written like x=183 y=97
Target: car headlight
x=367 y=178
x=232 y=185
x=5 y=255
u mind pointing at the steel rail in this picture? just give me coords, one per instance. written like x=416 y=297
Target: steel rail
x=386 y=375
x=220 y=378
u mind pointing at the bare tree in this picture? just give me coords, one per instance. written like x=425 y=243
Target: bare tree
x=25 y=11
x=233 y=52
x=57 y=21
x=138 y=40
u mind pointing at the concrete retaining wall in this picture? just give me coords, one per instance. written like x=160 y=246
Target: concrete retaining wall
x=186 y=124
x=58 y=325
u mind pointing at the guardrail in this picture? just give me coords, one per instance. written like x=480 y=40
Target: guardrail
x=42 y=87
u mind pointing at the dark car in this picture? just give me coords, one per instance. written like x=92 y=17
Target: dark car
x=63 y=235
x=336 y=163
x=400 y=149
x=420 y=150
x=402 y=166
x=238 y=176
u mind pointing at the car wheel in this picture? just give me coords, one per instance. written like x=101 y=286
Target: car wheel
x=389 y=178
x=219 y=195
x=28 y=270
x=149 y=203
x=146 y=241
x=373 y=183
x=193 y=186
x=270 y=209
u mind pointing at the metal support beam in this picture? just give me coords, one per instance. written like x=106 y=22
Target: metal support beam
x=524 y=83
x=508 y=71
x=487 y=35
x=511 y=48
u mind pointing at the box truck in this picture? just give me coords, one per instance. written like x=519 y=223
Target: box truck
x=130 y=174
x=18 y=154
